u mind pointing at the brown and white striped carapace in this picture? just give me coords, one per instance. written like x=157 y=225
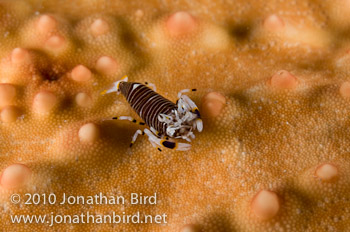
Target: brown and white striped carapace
x=167 y=120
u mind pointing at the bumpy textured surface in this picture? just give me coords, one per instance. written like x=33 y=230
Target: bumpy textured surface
x=274 y=153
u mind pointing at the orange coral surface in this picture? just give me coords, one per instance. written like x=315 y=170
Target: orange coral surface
x=273 y=87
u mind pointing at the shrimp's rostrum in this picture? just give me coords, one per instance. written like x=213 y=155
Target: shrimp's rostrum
x=166 y=120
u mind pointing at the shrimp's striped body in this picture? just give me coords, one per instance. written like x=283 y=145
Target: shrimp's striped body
x=147 y=104
x=165 y=118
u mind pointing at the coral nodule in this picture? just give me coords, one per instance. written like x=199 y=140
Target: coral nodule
x=273 y=90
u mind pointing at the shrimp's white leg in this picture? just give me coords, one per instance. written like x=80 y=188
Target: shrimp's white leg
x=154 y=131
x=115 y=87
x=129 y=119
x=185 y=91
x=138 y=132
